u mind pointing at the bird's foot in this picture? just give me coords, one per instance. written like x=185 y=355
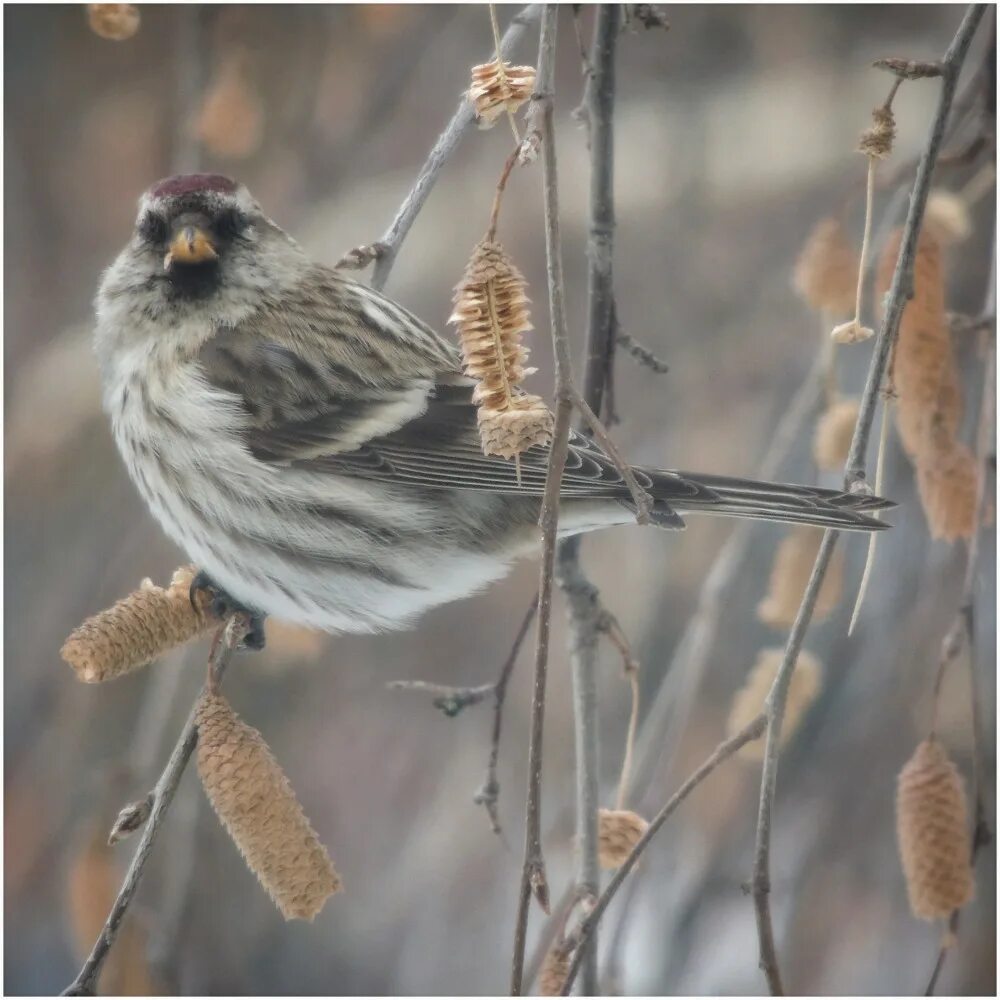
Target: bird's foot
x=222 y=606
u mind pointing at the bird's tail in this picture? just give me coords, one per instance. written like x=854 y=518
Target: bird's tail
x=677 y=493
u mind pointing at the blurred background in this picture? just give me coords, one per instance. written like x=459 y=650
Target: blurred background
x=735 y=134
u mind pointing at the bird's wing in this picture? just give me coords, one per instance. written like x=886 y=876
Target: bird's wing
x=363 y=388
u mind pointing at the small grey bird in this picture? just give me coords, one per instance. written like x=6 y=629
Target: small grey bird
x=313 y=447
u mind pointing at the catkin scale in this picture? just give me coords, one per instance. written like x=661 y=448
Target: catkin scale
x=748 y=702
x=498 y=87
x=491 y=314
x=790 y=572
x=255 y=803
x=135 y=631
x=618 y=831
x=933 y=833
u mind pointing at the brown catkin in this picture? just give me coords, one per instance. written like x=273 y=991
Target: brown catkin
x=555 y=968
x=498 y=87
x=231 y=120
x=255 y=802
x=139 y=628
x=748 y=702
x=834 y=432
x=790 y=572
x=929 y=396
x=618 y=831
x=116 y=22
x=491 y=313
x=933 y=833
x=947 y=218
x=948 y=483
x=826 y=272
x=925 y=376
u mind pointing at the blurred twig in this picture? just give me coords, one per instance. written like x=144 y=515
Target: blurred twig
x=900 y=291
x=226 y=640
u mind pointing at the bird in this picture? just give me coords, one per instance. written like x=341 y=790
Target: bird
x=313 y=446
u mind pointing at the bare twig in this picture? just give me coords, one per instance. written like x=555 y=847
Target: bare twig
x=228 y=638
x=640 y=354
x=388 y=246
x=722 y=752
x=533 y=870
x=487 y=795
x=855 y=477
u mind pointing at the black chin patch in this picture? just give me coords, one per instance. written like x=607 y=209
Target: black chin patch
x=193 y=281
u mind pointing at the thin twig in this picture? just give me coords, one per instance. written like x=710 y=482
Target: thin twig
x=228 y=637
x=855 y=476
x=533 y=869
x=389 y=245
x=450 y=700
x=751 y=731
x=641 y=355
x=488 y=795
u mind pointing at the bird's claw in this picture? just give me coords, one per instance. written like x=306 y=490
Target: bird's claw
x=221 y=606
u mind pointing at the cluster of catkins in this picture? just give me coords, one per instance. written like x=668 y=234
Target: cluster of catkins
x=246 y=786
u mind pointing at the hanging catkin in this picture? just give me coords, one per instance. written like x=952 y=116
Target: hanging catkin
x=257 y=806
x=790 y=572
x=929 y=404
x=933 y=833
x=826 y=272
x=618 y=831
x=748 y=702
x=139 y=628
x=491 y=313
x=834 y=432
x=555 y=968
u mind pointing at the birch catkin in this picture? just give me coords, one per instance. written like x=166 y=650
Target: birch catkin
x=790 y=572
x=826 y=272
x=618 y=831
x=748 y=702
x=491 y=313
x=933 y=833
x=139 y=628
x=256 y=804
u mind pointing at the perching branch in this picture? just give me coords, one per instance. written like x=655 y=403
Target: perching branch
x=533 y=870
x=228 y=637
x=722 y=752
x=901 y=290
x=385 y=251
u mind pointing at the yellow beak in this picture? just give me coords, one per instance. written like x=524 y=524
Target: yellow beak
x=190 y=245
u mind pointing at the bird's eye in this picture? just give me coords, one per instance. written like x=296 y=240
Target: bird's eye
x=153 y=228
x=231 y=222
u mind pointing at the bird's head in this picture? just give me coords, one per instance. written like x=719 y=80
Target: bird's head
x=202 y=249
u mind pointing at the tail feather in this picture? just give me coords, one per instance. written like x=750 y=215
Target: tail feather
x=676 y=493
